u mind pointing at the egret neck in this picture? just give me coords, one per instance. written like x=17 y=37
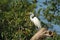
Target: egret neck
x=31 y=17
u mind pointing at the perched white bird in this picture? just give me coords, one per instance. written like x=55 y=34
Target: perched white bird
x=35 y=20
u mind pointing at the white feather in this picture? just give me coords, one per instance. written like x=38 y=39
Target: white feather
x=35 y=20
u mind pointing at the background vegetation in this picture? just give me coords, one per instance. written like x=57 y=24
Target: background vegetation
x=16 y=25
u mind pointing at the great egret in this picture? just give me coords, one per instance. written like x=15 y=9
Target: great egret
x=35 y=20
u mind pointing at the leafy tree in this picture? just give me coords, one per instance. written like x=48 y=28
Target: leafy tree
x=16 y=25
x=14 y=22
x=52 y=13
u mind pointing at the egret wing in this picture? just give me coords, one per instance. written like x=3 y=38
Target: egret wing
x=36 y=22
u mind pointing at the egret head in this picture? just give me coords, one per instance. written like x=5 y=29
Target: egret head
x=31 y=14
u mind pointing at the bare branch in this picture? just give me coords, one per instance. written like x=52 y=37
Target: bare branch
x=41 y=34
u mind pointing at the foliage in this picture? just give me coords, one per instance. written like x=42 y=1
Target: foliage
x=52 y=12
x=14 y=20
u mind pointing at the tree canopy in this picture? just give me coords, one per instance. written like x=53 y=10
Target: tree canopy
x=16 y=25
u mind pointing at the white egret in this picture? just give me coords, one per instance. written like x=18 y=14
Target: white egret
x=35 y=20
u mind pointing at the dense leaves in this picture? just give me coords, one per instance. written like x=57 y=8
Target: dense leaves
x=15 y=23
x=52 y=12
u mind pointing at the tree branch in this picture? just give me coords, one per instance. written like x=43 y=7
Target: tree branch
x=42 y=34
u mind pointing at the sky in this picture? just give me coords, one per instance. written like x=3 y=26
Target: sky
x=55 y=27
